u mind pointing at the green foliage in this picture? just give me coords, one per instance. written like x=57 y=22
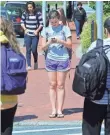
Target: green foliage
x=86 y=37
x=106 y=6
x=92 y=4
x=2 y=3
x=86 y=33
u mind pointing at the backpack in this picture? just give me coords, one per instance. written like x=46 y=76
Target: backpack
x=13 y=72
x=68 y=49
x=91 y=73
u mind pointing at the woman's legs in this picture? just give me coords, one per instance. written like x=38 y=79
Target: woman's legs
x=28 y=42
x=7 y=117
x=35 y=41
x=53 y=84
x=61 y=77
x=77 y=24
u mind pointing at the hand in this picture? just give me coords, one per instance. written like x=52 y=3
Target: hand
x=56 y=40
x=36 y=33
x=50 y=41
x=25 y=31
x=53 y=40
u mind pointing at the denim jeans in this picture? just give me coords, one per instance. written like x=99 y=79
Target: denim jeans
x=31 y=43
x=79 y=25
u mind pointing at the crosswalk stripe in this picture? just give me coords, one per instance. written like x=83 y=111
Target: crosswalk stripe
x=46 y=130
x=80 y=133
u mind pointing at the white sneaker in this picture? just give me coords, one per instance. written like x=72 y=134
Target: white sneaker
x=29 y=68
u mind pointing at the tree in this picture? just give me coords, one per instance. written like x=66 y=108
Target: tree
x=106 y=6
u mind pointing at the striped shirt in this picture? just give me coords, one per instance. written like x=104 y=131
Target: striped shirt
x=32 y=22
x=104 y=99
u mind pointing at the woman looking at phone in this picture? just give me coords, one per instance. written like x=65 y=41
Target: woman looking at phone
x=56 y=38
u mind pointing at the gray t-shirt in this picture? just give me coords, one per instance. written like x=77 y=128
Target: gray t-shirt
x=56 y=51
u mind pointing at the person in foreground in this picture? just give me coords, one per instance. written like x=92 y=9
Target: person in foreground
x=96 y=111
x=56 y=40
x=8 y=103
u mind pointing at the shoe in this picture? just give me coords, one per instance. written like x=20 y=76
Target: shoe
x=78 y=37
x=60 y=115
x=29 y=68
x=35 y=66
x=52 y=115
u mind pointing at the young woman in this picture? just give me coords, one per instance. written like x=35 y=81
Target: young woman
x=32 y=23
x=8 y=104
x=56 y=38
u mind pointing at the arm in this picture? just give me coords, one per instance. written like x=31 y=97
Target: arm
x=23 y=21
x=40 y=20
x=67 y=43
x=45 y=44
x=85 y=15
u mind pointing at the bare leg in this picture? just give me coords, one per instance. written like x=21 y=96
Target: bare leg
x=53 y=84
x=61 y=76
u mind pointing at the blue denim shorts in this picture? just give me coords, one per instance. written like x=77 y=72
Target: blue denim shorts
x=52 y=65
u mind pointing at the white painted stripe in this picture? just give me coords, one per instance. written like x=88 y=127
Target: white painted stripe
x=45 y=130
x=79 y=133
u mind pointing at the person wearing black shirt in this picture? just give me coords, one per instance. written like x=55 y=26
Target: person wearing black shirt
x=79 y=18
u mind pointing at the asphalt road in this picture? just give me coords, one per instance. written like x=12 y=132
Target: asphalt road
x=49 y=128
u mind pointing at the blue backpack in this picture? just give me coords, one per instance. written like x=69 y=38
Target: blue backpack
x=13 y=72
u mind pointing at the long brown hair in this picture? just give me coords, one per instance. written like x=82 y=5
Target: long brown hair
x=62 y=16
x=8 y=30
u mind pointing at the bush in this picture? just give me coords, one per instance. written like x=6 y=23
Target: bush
x=86 y=33
x=106 y=6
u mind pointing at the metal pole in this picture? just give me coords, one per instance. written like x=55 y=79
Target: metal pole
x=72 y=10
x=99 y=19
x=88 y=3
x=64 y=6
x=44 y=12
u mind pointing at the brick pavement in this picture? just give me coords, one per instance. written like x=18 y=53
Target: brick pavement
x=35 y=103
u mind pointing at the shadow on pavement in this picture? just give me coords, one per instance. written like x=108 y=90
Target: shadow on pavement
x=70 y=111
x=26 y=117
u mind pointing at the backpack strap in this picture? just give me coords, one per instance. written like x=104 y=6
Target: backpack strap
x=99 y=43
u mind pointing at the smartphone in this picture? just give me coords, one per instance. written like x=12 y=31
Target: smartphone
x=53 y=38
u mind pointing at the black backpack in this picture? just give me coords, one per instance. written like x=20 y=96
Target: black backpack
x=91 y=73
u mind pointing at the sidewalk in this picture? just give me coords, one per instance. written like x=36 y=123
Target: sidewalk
x=35 y=103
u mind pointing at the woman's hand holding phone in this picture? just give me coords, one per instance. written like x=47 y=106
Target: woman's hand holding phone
x=54 y=40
